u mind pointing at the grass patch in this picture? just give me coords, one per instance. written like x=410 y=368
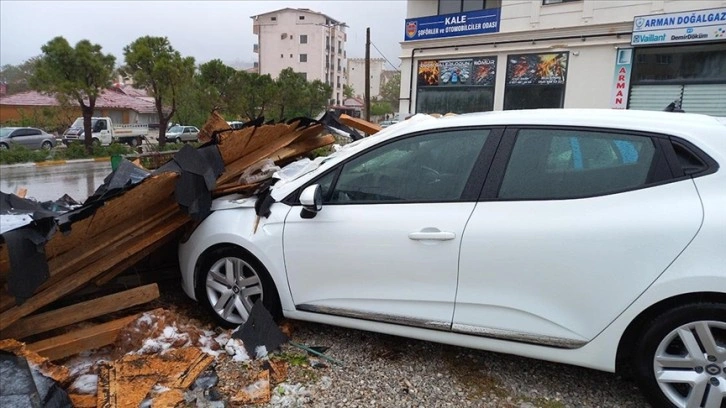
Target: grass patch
x=21 y=154
x=293 y=359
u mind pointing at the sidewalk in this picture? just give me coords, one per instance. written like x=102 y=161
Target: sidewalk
x=56 y=162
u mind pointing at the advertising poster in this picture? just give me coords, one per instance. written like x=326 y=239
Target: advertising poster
x=428 y=73
x=537 y=69
x=479 y=71
x=484 y=71
x=454 y=72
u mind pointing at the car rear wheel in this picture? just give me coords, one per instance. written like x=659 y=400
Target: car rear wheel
x=680 y=360
x=46 y=145
x=229 y=283
x=178 y=140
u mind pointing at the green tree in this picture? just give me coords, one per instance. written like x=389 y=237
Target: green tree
x=348 y=91
x=217 y=82
x=380 y=108
x=16 y=77
x=317 y=97
x=391 y=90
x=155 y=65
x=192 y=108
x=291 y=93
x=257 y=93
x=77 y=74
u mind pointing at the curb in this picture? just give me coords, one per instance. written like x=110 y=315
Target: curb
x=49 y=163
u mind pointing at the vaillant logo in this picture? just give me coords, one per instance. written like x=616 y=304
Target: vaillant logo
x=648 y=38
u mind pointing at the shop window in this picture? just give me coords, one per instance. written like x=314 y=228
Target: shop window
x=457 y=86
x=545 y=2
x=680 y=65
x=535 y=81
x=459 y=6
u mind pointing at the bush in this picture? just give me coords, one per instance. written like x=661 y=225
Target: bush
x=21 y=154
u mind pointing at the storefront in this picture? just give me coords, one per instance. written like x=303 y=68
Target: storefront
x=680 y=58
x=464 y=85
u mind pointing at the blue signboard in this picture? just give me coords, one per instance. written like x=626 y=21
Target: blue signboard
x=452 y=25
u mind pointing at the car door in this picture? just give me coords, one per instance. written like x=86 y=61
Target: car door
x=23 y=137
x=385 y=245
x=573 y=226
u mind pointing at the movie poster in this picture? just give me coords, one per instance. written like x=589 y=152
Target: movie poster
x=537 y=69
x=428 y=73
x=484 y=71
x=454 y=72
x=479 y=71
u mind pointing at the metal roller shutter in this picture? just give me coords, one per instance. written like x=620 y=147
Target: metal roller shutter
x=654 y=97
x=707 y=99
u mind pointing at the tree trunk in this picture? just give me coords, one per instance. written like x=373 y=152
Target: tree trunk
x=87 y=128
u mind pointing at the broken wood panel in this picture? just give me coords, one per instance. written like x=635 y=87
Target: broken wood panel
x=83 y=401
x=169 y=398
x=74 y=342
x=235 y=169
x=233 y=146
x=107 y=250
x=232 y=188
x=360 y=124
x=193 y=363
x=138 y=202
x=302 y=147
x=264 y=135
x=112 y=394
x=59 y=373
x=81 y=311
x=120 y=255
x=214 y=123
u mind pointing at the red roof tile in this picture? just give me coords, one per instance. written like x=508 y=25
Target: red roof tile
x=109 y=99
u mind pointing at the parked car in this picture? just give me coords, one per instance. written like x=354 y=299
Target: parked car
x=28 y=137
x=235 y=124
x=104 y=132
x=181 y=134
x=586 y=237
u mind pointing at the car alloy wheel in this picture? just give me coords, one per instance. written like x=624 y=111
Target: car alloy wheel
x=680 y=359
x=232 y=287
x=46 y=145
x=689 y=364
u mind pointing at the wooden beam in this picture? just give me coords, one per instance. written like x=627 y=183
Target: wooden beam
x=83 y=400
x=77 y=341
x=81 y=311
x=120 y=256
x=360 y=124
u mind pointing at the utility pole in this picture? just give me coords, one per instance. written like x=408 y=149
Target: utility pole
x=367 y=94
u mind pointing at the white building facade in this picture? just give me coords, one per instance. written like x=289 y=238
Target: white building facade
x=311 y=43
x=357 y=75
x=479 y=55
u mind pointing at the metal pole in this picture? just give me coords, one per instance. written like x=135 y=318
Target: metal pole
x=367 y=94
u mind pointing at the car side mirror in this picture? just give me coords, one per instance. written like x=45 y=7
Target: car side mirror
x=312 y=201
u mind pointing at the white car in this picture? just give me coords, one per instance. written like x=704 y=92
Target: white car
x=588 y=237
x=181 y=134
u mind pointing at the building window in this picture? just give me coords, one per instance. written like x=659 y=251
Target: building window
x=535 y=81
x=340 y=46
x=303 y=75
x=457 y=86
x=459 y=6
x=301 y=17
x=273 y=18
x=303 y=39
x=282 y=56
x=303 y=57
x=545 y=2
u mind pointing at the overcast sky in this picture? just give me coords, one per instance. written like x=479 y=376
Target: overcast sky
x=203 y=29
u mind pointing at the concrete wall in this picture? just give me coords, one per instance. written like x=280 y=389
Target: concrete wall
x=357 y=77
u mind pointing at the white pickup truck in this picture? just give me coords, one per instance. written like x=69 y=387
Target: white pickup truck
x=106 y=132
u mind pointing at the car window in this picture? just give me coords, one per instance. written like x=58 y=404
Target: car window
x=551 y=164
x=187 y=130
x=429 y=167
x=33 y=132
x=20 y=132
x=175 y=129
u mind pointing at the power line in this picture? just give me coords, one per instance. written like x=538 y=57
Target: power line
x=384 y=57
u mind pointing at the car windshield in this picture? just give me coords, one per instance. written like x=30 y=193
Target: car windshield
x=79 y=123
x=176 y=129
x=4 y=132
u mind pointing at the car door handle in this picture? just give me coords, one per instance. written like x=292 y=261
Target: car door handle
x=433 y=235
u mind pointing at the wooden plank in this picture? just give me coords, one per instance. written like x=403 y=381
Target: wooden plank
x=81 y=311
x=120 y=256
x=235 y=169
x=77 y=341
x=360 y=124
x=83 y=401
x=107 y=250
x=302 y=147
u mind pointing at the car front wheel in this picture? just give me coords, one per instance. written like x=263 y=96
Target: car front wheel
x=229 y=283
x=680 y=360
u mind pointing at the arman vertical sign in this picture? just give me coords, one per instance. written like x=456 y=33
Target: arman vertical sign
x=452 y=25
x=621 y=82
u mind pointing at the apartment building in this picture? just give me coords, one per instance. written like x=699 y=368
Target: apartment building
x=478 y=55
x=311 y=43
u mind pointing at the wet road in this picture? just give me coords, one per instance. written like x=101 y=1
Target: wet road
x=78 y=180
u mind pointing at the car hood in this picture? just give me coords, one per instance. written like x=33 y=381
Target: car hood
x=233 y=201
x=74 y=131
